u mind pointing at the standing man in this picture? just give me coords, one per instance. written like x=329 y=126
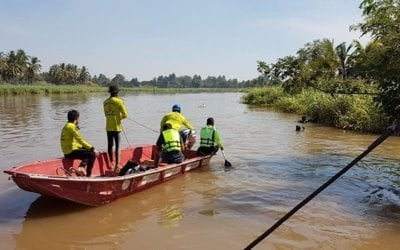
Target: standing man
x=115 y=111
x=176 y=119
x=210 y=141
x=75 y=147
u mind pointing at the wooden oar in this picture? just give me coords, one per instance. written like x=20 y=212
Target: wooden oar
x=227 y=163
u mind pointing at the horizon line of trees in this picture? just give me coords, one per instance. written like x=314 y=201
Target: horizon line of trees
x=16 y=67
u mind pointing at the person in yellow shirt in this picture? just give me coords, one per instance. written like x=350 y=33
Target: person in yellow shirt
x=210 y=141
x=74 y=146
x=115 y=111
x=176 y=119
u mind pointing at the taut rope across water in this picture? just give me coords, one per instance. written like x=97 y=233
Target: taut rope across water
x=378 y=141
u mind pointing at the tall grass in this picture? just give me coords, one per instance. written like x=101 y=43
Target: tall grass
x=46 y=89
x=263 y=96
x=353 y=112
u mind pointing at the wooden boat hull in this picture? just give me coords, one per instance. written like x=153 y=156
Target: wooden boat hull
x=45 y=178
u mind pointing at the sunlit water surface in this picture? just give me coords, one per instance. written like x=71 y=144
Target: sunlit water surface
x=274 y=169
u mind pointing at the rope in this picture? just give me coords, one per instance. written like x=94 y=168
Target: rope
x=126 y=139
x=378 y=141
x=144 y=126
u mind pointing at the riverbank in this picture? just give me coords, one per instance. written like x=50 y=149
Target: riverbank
x=352 y=112
x=47 y=89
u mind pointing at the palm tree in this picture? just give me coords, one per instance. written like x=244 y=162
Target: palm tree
x=56 y=73
x=344 y=58
x=22 y=60
x=12 y=69
x=84 y=75
x=33 y=68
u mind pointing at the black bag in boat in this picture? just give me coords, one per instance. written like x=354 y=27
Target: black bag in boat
x=132 y=167
x=129 y=168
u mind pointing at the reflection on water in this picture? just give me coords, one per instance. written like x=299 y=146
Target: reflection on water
x=274 y=169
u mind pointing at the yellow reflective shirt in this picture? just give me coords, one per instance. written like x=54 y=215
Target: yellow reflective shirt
x=115 y=111
x=176 y=120
x=71 y=139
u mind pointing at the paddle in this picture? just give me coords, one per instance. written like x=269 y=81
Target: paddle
x=227 y=163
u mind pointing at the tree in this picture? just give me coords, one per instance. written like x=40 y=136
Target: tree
x=118 y=79
x=365 y=59
x=67 y=74
x=344 y=58
x=33 y=69
x=84 y=75
x=134 y=82
x=102 y=80
x=196 y=81
x=381 y=21
x=3 y=65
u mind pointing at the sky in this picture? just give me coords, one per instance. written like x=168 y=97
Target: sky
x=148 y=38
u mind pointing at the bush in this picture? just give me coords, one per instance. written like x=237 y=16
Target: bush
x=263 y=96
x=353 y=112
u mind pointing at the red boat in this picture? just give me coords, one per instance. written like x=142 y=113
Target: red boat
x=56 y=177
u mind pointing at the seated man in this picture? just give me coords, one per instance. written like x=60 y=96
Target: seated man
x=210 y=141
x=170 y=146
x=75 y=147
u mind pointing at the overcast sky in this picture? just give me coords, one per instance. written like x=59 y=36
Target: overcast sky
x=148 y=38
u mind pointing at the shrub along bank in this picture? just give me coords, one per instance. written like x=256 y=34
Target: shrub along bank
x=43 y=88
x=353 y=112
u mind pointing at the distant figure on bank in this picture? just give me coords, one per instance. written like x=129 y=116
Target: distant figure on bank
x=115 y=111
x=169 y=146
x=210 y=141
x=298 y=128
x=175 y=119
x=75 y=147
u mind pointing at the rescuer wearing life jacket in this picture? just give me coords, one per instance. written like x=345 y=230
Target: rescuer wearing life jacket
x=75 y=147
x=169 y=146
x=115 y=111
x=210 y=141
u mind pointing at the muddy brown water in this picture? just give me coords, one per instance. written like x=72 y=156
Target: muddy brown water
x=275 y=167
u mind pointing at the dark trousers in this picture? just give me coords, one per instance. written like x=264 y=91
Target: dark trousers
x=113 y=136
x=172 y=157
x=88 y=157
x=202 y=151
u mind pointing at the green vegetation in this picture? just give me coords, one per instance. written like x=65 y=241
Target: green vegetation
x=20 y=68
x=46 y=89
x=354 y=112
x=43 y=88
x=348 y=86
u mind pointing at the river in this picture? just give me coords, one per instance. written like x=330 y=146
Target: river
x=275 y=167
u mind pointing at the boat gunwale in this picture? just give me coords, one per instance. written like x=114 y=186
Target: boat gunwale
x=14 y=172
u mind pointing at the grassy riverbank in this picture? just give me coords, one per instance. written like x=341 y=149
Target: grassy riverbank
x=353 y=112
x=47 y=89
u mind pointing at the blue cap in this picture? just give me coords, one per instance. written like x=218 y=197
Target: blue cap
x=176 y=107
